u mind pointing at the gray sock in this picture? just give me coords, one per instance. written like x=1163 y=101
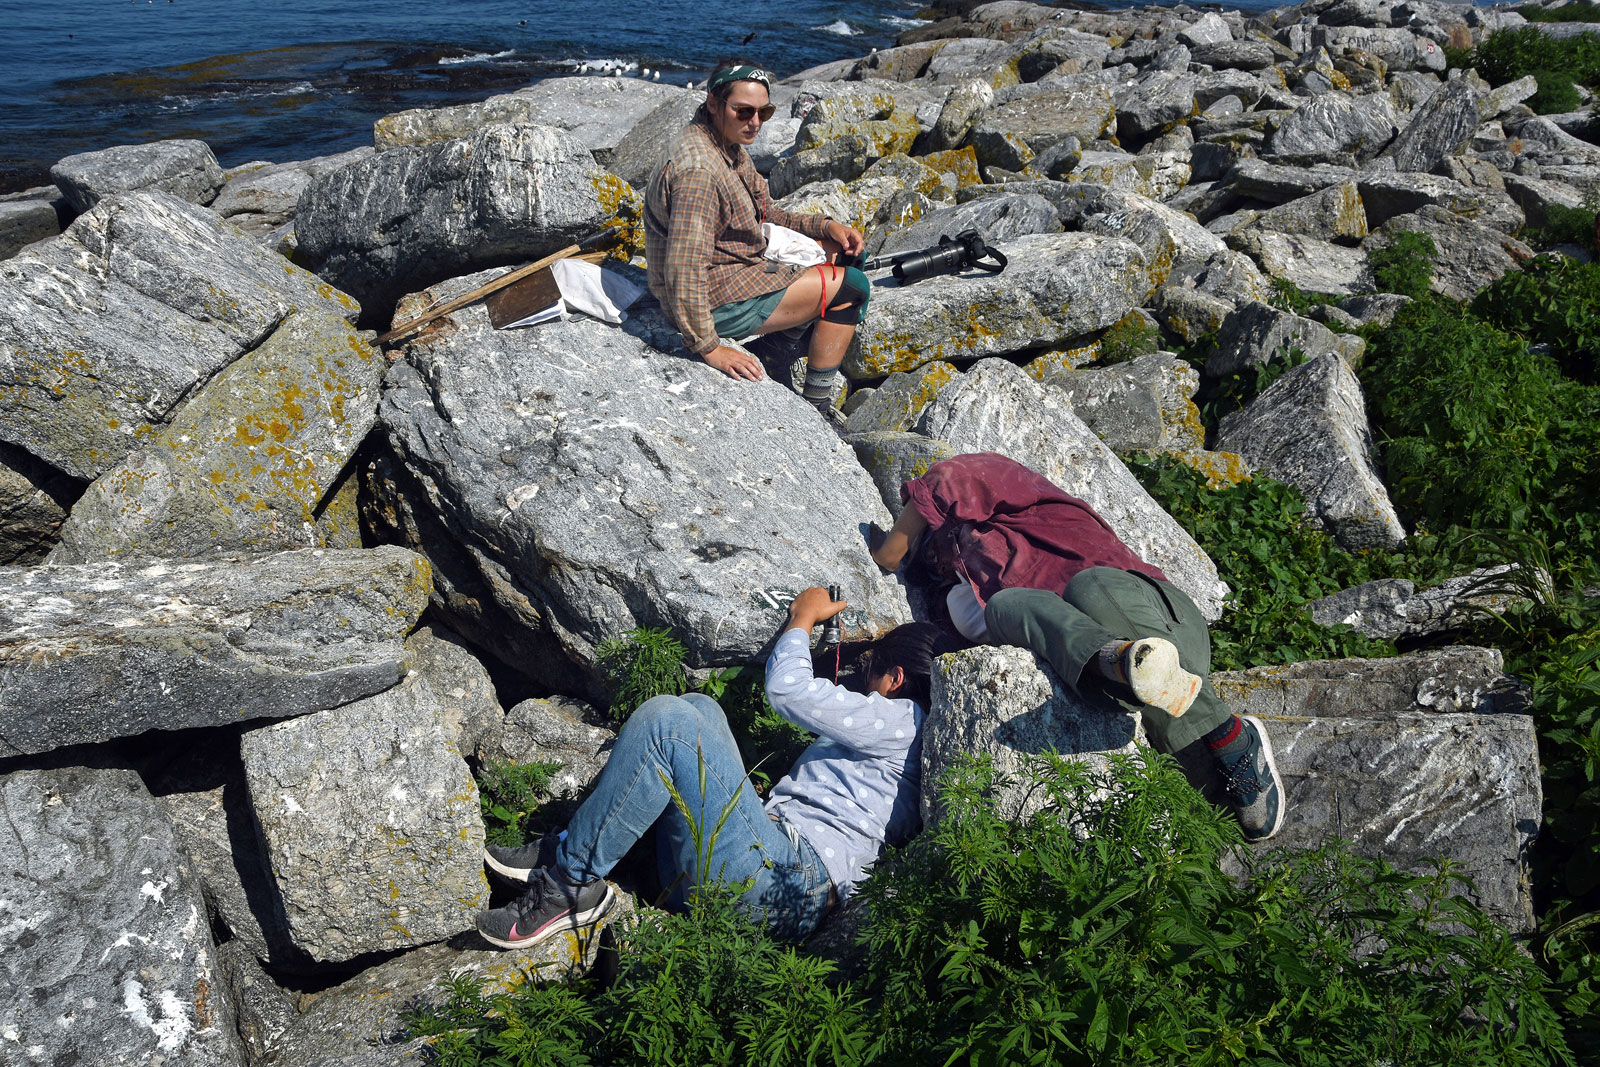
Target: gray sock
x=819 y=386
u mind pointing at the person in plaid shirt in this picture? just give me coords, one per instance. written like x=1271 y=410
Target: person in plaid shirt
x=704 y=207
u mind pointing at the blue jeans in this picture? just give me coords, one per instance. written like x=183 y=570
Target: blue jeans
x=667 y=735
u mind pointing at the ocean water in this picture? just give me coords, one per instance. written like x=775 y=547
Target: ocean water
x=290 y=79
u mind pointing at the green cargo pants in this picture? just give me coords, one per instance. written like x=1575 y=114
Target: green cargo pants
x=1101 y=605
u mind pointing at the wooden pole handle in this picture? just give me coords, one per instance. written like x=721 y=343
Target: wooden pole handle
x=597 y=240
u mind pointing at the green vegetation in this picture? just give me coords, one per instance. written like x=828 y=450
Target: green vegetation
x=1276 y=561
x=1404 y=265
x=1557 y=65
x=1100 y=931
x=1128 y=339
x=1578 y=11
x=509 y=794
x=1480 y=431
x=1564 y=225
x=640 y=664
x=648 y=662
x=707 y=987
x=1553 y=304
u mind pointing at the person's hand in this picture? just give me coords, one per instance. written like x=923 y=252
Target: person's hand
x=847 y=237
x=734 y=363
x=812 y=606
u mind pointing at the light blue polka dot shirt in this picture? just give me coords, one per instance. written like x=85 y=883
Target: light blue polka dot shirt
x=857 y=787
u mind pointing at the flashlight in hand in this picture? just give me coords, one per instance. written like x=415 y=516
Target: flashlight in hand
x=831 y=630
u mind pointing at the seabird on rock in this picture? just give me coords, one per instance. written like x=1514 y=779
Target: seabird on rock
x=644 y=72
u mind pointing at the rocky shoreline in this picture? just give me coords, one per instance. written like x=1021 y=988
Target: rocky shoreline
x=263 y=585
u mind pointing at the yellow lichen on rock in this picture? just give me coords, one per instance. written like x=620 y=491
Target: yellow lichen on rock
x=960 y=164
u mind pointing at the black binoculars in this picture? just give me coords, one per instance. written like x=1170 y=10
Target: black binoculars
x=951 y=255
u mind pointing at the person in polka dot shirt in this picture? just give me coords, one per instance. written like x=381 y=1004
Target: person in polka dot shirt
x=854 y=790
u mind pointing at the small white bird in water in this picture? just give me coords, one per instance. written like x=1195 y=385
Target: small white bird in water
x=644 y=72
x=616 y=73
x=656 y=76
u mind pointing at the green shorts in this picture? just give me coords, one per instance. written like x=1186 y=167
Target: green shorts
x=744 y=317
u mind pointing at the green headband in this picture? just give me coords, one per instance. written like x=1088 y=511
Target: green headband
x=738 y=74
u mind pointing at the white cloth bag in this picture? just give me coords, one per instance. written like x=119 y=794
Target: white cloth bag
x=603 y=294
x=791 y=247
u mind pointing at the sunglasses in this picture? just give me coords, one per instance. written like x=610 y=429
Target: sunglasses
x=744 y=112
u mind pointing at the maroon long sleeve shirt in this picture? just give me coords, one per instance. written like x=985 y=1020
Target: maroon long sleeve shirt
x=995 y=524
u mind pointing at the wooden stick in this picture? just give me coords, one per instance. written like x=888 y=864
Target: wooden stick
x=592 y=241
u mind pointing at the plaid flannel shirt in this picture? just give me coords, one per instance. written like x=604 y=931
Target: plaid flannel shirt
x=702 y=217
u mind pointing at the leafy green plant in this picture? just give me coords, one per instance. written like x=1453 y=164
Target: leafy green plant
x=1513 y=53
x=508 y=795
x=1478 y=431
x=1287 y=296
x=1577 y=11
x=1554 y=302
x=1102 y=930
x=709 y=987
x=642 y=663
x=1404 y=265
x=1557 y=94
x=1277 y=561
x=1564 y=225
x=1128 y=339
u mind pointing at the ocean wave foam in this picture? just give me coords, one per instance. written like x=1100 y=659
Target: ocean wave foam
x=840 y=27
x=601 y=66
x=184 y=102
x=903 y=23
x=476 y=57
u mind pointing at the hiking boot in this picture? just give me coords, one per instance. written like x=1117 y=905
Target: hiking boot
x=1250 y=783
x=833 y=417
x=517 y=864
x=551 y=906
x=1150 y=667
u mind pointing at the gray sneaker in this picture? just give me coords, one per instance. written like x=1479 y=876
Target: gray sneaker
x=551 y=906
x=518 y=864
x=1251 y=785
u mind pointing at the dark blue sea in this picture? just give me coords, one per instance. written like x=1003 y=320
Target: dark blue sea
x=290 y=79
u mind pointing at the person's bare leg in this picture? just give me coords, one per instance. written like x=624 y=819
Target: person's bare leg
x=807 y=296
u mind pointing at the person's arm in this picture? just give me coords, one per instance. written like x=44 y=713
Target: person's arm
x=901 y=536
x=873 y=725
x=691 y=239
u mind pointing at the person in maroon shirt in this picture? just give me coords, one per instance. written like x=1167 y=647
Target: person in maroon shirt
x=1034 y=566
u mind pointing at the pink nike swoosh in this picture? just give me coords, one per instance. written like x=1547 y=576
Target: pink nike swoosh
x=515 y=934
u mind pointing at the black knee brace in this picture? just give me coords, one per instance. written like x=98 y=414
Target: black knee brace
x=850 y=302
